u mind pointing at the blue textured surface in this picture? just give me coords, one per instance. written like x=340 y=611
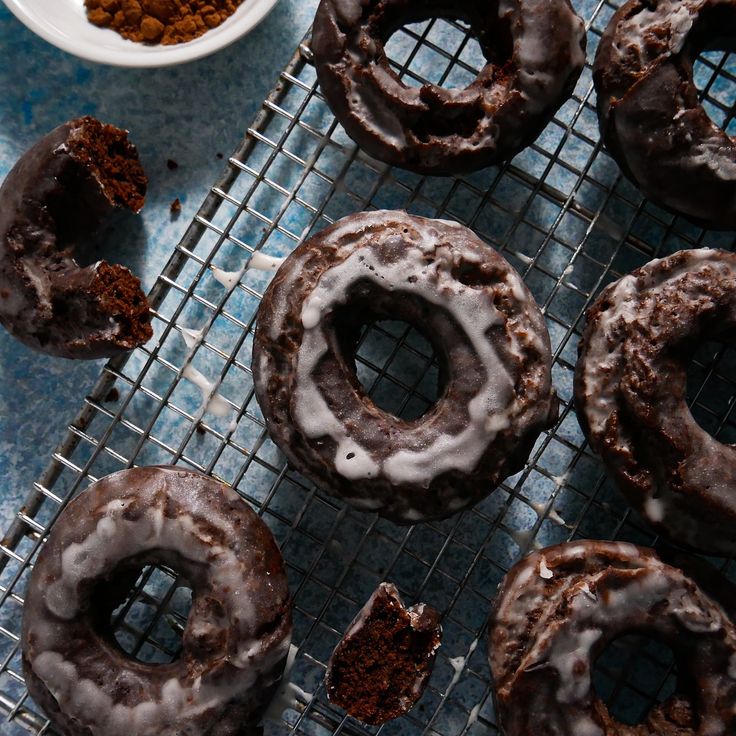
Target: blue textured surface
x=190 y=114
x=187 y=113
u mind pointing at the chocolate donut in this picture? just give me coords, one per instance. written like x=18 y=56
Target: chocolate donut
x=535 y=52
x=559 y=608
x=630 y=394
x=381 y=666
x=239 y=627
x=651 y=119
x=50 y=203
x=487 y=332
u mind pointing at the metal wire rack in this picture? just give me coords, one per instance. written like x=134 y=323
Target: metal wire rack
x=560 y=212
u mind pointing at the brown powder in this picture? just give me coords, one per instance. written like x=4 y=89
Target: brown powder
x=164 y=22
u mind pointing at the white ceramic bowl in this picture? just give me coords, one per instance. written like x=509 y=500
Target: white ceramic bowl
x=64 y=23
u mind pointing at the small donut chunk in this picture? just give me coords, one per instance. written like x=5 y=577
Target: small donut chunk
x=237 y=636
x=630 y=394
x=558 y=609
x=651 y=119
x=535 y=52
x=486 y=330
x=50 y=205
x=382 y=664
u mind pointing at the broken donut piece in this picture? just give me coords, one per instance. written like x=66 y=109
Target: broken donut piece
x=381 y=666
x=51 y=203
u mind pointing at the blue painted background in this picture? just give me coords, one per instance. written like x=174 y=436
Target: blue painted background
x=187 y=113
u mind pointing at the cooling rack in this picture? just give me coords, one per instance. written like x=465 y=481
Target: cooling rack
x=560 y=212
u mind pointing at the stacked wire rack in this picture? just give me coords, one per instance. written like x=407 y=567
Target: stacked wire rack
x=560 y=212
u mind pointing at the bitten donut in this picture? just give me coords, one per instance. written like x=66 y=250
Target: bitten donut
x=630 y=391
x=487 y=332
x=534 y=49
x=651 y=118
x=50 y=204
x=558 y=609
x=236 y=638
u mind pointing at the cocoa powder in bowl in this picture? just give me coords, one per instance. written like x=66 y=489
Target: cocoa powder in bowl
x=166 y=22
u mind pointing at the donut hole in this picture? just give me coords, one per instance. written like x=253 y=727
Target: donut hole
x=398 y=368
x=441 y=44
x=711 y=389
x=637 y=674
x=452 y=53
x=450 y=57
x=383 y=344
x=144 y=612
x=714 y=74
x=713 y=65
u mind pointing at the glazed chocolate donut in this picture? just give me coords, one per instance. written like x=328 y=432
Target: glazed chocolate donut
x=239 y=627
x=630 y=391
x=559 y=608
x=535 y=51
x=50 y=203
x=483 y=323
x=651 y=119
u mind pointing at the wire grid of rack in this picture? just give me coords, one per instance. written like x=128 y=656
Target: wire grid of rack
x=560 y=212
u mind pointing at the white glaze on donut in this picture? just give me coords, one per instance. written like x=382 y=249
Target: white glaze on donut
x=117 y=538
x=713 y=153
x=490 y=410
x=613 y=344
x=196 y=535
x=491 y=343
x=264 y=262
x=644 y=29
x=531 y=48
x=597 y=591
